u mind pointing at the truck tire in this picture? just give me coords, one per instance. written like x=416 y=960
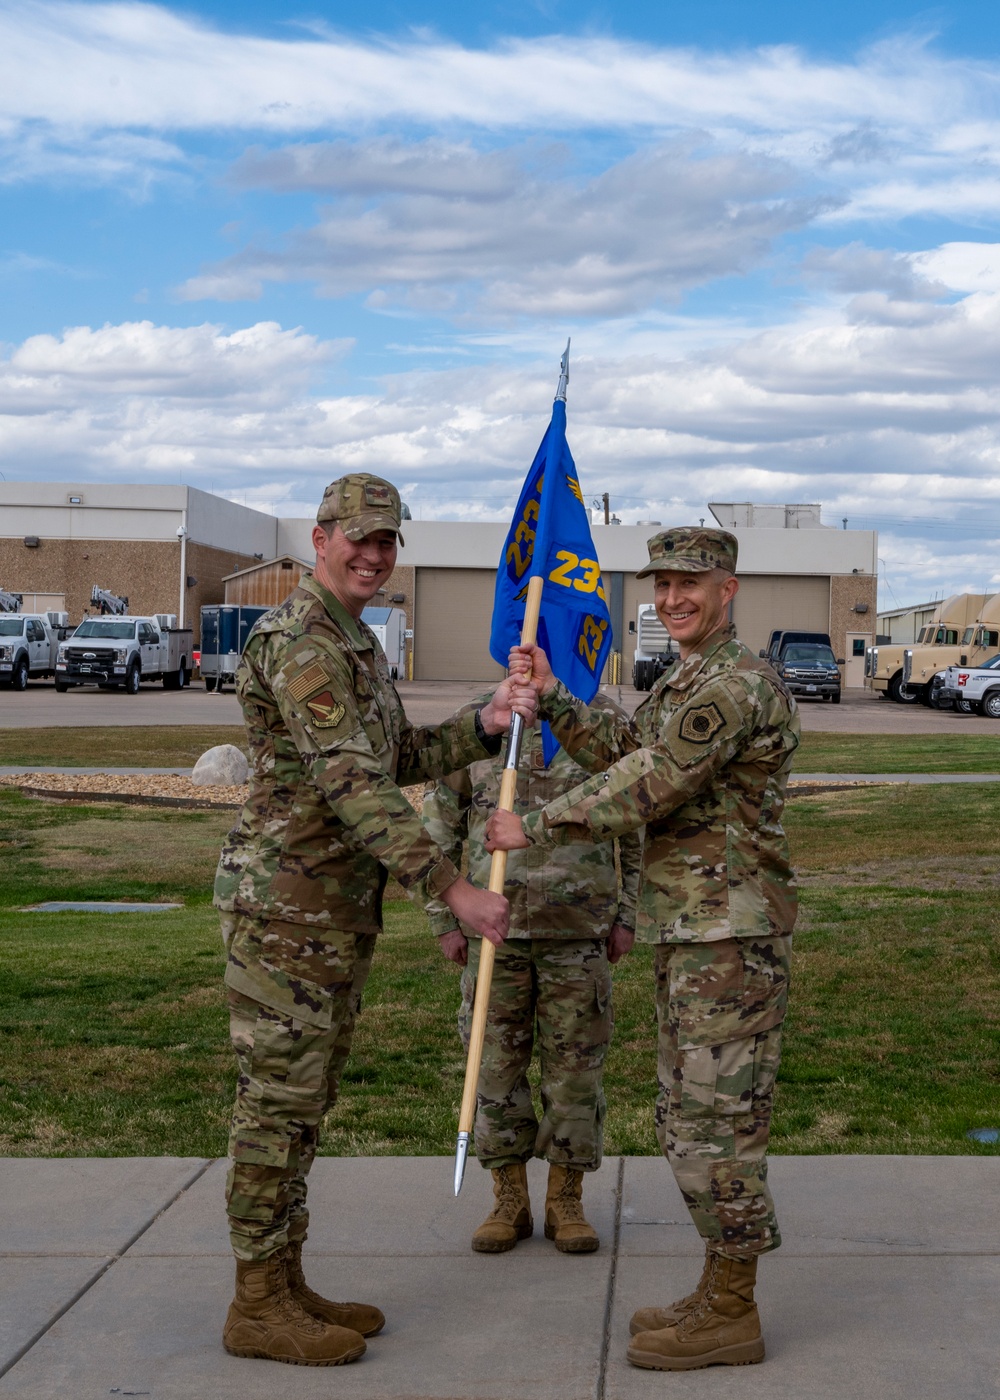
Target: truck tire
x=174 y=680
x=19 y=678
x=836 y=698
x=132 y=679
x=990 y=704
x=209 y=684
x=966 y=707
x=899 y=693
x=61 y=687
x=641 y=677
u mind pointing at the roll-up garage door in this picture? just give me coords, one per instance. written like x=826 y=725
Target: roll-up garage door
x=454 y=609
x=769 y=601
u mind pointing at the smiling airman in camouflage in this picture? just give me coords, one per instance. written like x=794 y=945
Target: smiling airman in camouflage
x=299 y=889
x=703 y=766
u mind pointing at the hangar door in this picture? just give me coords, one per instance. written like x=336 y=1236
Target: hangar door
x=451 y=625
x=769 y=601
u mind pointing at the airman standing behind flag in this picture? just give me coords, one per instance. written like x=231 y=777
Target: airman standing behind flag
x=703 y=765
x=551 y=984
x=299 y=888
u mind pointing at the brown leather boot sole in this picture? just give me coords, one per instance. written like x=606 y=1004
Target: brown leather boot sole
x=261 y=1354
x=581 y=1245
x=740 y=1354
x=494 y=1246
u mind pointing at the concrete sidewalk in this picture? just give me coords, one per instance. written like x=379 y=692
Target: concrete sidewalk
x=117 y=1276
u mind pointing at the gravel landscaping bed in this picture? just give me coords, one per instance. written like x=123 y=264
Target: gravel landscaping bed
x=152 y=789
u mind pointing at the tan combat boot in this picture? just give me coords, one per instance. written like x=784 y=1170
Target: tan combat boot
x=565 y=1223
x=358 y=1317
x=510 y=1219
x=265 y=1320
x=653 y=1319
x=723 y=1330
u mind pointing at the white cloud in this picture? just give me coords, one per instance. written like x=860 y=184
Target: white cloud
x=895 y=422
x=640 y=232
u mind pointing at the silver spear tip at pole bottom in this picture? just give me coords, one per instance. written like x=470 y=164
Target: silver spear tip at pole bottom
x=461 y=1152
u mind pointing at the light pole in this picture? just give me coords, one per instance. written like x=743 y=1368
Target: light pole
x=182 y=534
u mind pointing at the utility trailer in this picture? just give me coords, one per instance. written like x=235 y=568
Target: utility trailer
x=225 y=628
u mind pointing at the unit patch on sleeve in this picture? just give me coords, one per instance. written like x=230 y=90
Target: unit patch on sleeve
x=325 y=710
x=701 y=723
x=307 y=680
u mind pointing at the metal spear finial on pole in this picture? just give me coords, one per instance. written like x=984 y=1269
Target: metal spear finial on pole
x=498 y=868
x=563 y=374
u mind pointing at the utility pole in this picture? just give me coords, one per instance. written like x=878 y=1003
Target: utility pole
x=607 y=508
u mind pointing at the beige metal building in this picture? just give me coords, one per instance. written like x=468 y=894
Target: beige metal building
x=175 y=548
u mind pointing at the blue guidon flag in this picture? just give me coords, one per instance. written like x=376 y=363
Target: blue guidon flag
x=550 y=535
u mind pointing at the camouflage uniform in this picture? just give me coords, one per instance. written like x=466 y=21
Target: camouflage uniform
x=703 y=765
x=553 y=968
x=300 y=884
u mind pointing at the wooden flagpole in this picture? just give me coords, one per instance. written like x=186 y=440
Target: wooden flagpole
x=498 y=875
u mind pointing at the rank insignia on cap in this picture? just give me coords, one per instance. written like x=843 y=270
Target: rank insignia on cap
x=376 y=494
x=701 y=723
x=324 y=709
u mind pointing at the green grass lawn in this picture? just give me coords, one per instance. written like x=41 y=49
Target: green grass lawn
x=125 y=746
x=114 y=1027
x=898 y=753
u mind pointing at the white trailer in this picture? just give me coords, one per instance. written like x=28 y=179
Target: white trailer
x=389 y=626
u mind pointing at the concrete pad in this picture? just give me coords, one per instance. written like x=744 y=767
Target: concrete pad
x=85 y=1205
x=835 y=1329
x=372 y=1206
x=837 y=1205
x=33 y=1292
x=478 y=1328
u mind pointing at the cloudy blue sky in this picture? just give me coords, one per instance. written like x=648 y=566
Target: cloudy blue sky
x=253 y=246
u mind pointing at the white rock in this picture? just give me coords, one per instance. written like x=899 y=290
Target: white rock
x=223 y=766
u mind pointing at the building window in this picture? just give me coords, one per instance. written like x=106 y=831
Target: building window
x=857 y=646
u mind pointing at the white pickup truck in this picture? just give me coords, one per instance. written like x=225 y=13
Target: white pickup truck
x=977 y=686
x=125 y=651
x=28 y=645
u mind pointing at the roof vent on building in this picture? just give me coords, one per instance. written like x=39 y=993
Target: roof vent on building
x=649 y=522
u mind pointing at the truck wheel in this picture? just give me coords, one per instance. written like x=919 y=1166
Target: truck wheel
x=965 y=707
x=209 y=684
x=640 y=675
x=899 y=693
x=836 y=698
x=990 y=705
x=132 y=681
x=19 y=680
x=61 y=687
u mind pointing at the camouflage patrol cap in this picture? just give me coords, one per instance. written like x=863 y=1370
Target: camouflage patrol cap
x=361 y=503
x=691 y=551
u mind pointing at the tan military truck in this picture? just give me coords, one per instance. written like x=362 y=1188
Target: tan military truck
x=951 y=620
x=979 y=642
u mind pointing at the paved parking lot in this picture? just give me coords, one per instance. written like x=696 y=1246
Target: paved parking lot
x=427 y=702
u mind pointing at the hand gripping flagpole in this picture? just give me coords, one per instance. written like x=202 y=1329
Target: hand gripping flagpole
x=498 y=868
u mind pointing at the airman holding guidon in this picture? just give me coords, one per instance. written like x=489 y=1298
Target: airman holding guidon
x=703 y=765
